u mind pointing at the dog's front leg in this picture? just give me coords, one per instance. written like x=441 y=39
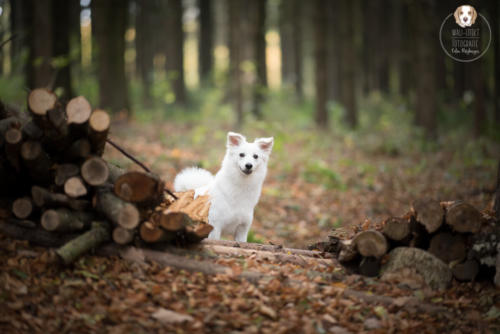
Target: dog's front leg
x=241 y=233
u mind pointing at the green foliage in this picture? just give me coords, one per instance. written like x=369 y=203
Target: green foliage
x=253 y=238
x=318 y=172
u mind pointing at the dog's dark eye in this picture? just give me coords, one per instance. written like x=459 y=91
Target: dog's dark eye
x=255 y=156
x=242 y=155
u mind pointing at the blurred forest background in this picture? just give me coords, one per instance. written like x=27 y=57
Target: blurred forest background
x=399 y=118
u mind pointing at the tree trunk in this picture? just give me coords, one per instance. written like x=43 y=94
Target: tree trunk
x=320 y=20
x=291 y=44
x=426 y=95
x=495 y=24
x=235 y=59
x=40 y=73
x=175 y=50
x=110 y=22
x=205 y=49
x=260 y=55
x=61 y=33
x=348 y=63
x=21 y=20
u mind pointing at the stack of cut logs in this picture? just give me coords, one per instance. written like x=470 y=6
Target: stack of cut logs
x=54 y=184
x=455 y=232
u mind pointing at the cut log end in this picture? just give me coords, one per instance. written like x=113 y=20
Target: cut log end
x=139 y=187
x=75 y=187
x=129 y=216
x=463 y=218
x=31 y=150
x=41 y=100
x=466 y=271
x=429 y=213
x=99 y=121
x=397 y=229
x=448 y=247
x=371 y=243
x=151 y=233
x=22 y=207
x=78 y=110
x=122 y=236
x=95 y=171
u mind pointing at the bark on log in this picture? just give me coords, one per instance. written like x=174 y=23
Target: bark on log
x=429 y=213
x=95 y=171
x=75 y=187
x=466 y=271
x=64 y=220
x=448 y=247
x=122 y=236
x=151 y=233
x=45 y=198
x=7 y=123
x=36 y=161
x=139 y=187
x=13 y=141
x=99 y=123
x=22 y=207
x=78 y=110
x=116 y=210
x=32 y=131
x=57 y=119
x=79 y=150
x=348 y=251
x=33 y=235
x=98 y=234
x=271 y=248
x=371 y=243
x=397 y=229
x=41 y=100
x=114 y=172
x=463 y=218
x=64 y=172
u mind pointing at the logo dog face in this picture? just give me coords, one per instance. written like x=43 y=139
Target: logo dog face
x=465 y=16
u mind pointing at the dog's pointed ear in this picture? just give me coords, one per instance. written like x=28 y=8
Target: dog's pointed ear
x=234 y=139
x=265 y=144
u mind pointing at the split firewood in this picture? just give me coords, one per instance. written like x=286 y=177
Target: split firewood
x=138 y=187
x=36 y=161
x=41 y=100
x=64 y=220
x=99 y=123
x=151 y=233
x=428 y=213
x=463 y=217
x=448 y=247
x=64 y=172
x=116 y=210
x=22 y=207
x=45 y=198
x=397 y=229
x=95 y=171
x=122 y=236
x=78 y=110
x=98 y=234
x=197 y=209
x=466 y=271
x=198 y=232
x=75 y=187
x=371 y=243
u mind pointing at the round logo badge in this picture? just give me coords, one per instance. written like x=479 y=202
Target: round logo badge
x=465 y=35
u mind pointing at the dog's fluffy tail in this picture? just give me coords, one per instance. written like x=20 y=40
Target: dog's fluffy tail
x=192 y=178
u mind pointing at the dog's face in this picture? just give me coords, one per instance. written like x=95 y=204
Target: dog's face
x=248 y=157
x=465 y=16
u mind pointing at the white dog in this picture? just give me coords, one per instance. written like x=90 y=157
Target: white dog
x=465 y=16
x=235 y=189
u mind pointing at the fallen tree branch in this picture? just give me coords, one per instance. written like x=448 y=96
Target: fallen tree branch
x=270 y=248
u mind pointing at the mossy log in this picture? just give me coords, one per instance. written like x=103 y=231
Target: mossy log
x=65 y=220
x=45 y=198
x=116 y=210
x=98 y=234
x=122 y=236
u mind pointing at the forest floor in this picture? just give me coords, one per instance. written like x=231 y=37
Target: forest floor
x=316 y=182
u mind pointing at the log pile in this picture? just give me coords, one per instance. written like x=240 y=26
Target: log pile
x=55 y=187
x=458 y=234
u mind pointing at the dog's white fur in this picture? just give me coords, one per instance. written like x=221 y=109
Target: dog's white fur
x=235 y=189
x=465 y=16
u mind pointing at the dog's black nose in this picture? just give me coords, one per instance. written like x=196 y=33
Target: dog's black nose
x=248 y=166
